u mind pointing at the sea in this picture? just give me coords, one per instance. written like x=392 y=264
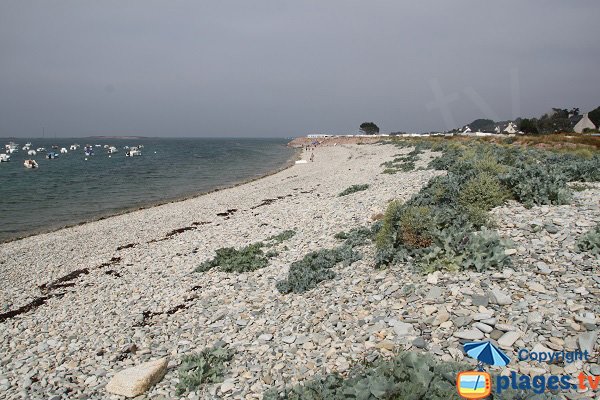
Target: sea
x=75 y=188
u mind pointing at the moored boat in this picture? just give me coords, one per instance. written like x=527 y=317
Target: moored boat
x=4 y=157
x=30 y=164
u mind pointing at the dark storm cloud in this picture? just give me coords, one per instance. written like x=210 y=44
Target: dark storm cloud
x=283 y=68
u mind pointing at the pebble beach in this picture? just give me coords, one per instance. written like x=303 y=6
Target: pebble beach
x=83 y=303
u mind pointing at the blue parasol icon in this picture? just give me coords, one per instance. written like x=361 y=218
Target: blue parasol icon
x=486 y=352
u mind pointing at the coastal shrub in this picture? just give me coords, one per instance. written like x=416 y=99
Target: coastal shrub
x=415 y=227
x=306 y=274
x=355 y=237
x=208 y=366
x=480 y=194
x=248 y=258
x=316 y=266
x=282 y=237
x=386 y=237
x=590 y=241
x=407 y=375
x=353 y=189
x=538 y=184
x=229 y=259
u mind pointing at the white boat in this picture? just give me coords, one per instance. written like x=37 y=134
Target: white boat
x=28 y=144
x=51 y=155
x=31 y=152
x=64 y=150
x=98 y=145
x=112 y=149
x=30 y=164
x=11 y=148
x=39 y=149
x=106 y=146
x=74 y=147
x=25 y=148
x=4 y=157
x=133 y=152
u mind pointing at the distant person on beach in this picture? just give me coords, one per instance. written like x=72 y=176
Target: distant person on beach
x=312 y=157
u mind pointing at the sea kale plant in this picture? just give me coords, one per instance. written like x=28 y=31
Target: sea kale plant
x=246 y=259
x=590 y=241
x=408 y=375
x=353 y=189
x=317 y=266
x=208 y=366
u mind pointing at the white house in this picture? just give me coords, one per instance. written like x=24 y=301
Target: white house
x=584 y=123
x=511 y=128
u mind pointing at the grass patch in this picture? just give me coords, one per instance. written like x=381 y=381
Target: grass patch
x=208 y=366
x=353 y=189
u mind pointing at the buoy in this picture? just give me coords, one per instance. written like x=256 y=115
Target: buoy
x=109 y=156
x=154 y=152
x=86 y=159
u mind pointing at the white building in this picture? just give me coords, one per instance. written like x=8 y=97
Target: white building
x=584 y=123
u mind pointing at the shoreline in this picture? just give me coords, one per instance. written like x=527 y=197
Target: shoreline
x=289 y=163
x=132 y=281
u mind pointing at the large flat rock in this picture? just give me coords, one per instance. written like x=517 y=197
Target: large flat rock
x=134 y=381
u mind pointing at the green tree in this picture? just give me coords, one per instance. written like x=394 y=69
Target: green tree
x=369 y=128
x=483 y=125
x=594 y=116
x=528 y=126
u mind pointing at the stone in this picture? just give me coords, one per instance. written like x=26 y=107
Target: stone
x=469 y=334
x=534 y=318
x=536 y=287
x=441 y=317
x=550 y=228
x=483 y=327
x=496 y=334
x=480 y=300
x=419 y=343
x=587 y=341
x=403 y=329
x=288 y=339
x=227 y=386
x=265 y=337
x=508 y=339
x=434 y=293
x=510 y=252
x=499 y=297
x=134 y=381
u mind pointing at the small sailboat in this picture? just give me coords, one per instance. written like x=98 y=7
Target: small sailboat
x=41 y=149
x=63 y=150
x=4 y=158
x=74 y=146
x=89 y=150
x=51 y=155
x=30 y=164
x=112 y=149
x=31 y=152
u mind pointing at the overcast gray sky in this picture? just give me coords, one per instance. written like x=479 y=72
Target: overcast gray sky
x=288 y=68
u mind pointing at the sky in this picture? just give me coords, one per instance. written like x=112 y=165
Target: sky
x=289 y=68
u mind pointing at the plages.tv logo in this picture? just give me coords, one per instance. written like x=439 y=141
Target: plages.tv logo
x=478 y=384
x=474 y=384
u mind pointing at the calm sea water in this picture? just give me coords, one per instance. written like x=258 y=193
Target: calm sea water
x=71 y=189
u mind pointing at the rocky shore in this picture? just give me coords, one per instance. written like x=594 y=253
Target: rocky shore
x=83 y=303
